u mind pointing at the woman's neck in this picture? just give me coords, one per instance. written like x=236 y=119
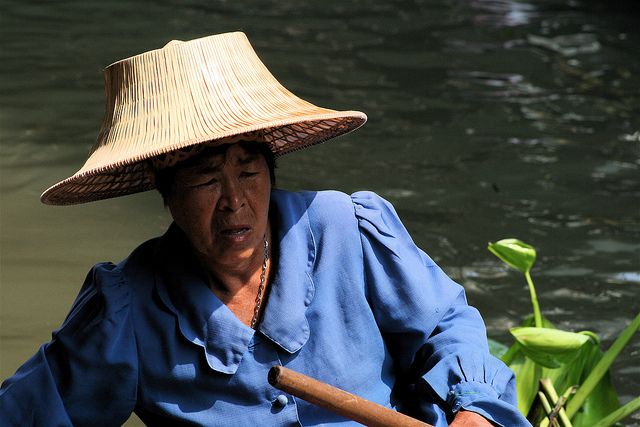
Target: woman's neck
x=234 y=270
x=239 y=288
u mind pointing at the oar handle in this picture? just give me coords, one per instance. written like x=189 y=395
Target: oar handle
x=339 y=401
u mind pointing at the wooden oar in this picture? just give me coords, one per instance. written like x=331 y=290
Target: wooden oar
x=339 y=401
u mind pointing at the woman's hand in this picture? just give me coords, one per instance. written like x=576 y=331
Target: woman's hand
x=469 y=419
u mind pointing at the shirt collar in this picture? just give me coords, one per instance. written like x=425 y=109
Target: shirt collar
x=207 y=322
x=284 y=321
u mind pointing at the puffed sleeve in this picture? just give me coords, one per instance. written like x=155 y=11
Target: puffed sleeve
x=87 y=373
x=431 y=332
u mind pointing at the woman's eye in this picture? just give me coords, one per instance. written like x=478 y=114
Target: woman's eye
x=248 y=174
x=207 y=183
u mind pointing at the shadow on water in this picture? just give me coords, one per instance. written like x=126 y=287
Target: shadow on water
x=487 y=119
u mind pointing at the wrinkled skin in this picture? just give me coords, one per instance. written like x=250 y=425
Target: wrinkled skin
x=221 y=203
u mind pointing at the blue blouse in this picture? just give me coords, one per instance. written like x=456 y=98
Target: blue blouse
x=353 y=303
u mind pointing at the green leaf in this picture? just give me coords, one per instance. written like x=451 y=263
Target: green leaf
x=514 y=253
x=620 y=413
x=602 y=367
x=598 y=404
x=602 y=399
x=573 y=373
x=528 y=374
x=514 y=350
x=549 y=347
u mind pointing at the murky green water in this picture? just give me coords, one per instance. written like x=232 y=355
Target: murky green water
x=487 y=119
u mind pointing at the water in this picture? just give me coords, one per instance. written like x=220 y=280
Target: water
x=487 y=119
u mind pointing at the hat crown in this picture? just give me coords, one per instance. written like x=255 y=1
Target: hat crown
x=180 y=93
x=172 y=43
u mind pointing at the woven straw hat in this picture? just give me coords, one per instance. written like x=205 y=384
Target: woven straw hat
x=209 y=90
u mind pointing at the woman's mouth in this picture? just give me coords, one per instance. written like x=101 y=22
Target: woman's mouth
x=235 y=231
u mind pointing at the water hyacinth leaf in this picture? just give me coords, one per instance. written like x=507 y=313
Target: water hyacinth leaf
x=549 y=347
x=520 y=256
x=620 y=413
x=572 y=374
x=602 y=367
x=514 y=253
x=603 y=399
x=515 y=349
x=594 y=337
x=528 y=374
x=543 y=359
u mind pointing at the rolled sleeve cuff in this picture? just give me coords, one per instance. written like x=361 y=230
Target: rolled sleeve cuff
x=476 y=382
x=483 y=399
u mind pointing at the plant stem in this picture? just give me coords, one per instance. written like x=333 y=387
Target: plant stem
x=619 y=413
x=508 y=357
x=545 y=404
x=602 y=367
x=534 y=301
x=548 y=388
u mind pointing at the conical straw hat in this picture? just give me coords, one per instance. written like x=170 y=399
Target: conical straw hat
x=209 y=90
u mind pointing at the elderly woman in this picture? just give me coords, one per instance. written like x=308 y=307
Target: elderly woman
x=184 y=331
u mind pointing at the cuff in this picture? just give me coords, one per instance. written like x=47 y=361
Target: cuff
x=482 y=399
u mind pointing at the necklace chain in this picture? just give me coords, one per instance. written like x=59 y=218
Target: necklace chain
x=256 y=310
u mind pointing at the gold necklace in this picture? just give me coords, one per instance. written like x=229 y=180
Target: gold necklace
x=256 y=311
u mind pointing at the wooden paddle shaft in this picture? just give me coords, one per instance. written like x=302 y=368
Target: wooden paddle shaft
x=339 y=401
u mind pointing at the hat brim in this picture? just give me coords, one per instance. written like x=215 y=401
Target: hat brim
x=134 y=175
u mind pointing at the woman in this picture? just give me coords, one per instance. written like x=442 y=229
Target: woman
x=184 y=331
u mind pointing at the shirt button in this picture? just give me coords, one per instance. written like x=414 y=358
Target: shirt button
x=281 y=400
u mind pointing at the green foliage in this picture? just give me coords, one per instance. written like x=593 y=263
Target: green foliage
x=549 y=347
x=601 y=368
x=514 y=253
x=566 y=359
x=619 y=413
x=520 y=256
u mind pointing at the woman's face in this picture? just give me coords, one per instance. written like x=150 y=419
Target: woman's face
x=221 y=203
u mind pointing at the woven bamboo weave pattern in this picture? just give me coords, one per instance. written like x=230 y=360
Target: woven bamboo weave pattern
x=211 y=90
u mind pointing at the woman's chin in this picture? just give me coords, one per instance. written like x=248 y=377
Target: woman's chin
x=237 y=251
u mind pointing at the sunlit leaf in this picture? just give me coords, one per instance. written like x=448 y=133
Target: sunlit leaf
x=514 y=253
x=549 y=347
x=602 y=399
x=600 y=369
x=528 y=374
x=620 y=413
x=571 y=374
x=514 y=350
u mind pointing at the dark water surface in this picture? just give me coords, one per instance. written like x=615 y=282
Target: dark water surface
x=487 y=119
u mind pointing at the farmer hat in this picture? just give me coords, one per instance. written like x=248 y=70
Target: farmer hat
x=213 y=90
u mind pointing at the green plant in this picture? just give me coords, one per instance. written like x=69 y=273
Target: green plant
x=546 y=359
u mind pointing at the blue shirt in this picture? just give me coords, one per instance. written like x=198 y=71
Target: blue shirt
x=353 y=303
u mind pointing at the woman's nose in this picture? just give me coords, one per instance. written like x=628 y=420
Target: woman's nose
x=232 y=196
